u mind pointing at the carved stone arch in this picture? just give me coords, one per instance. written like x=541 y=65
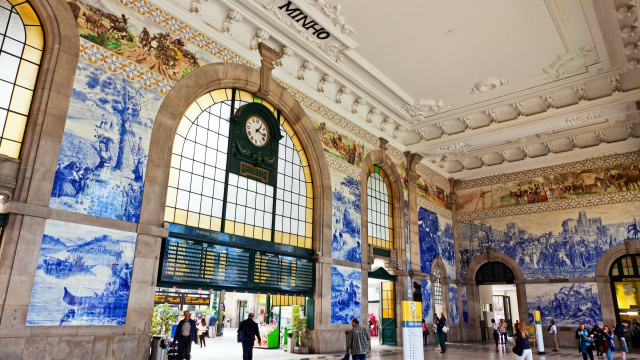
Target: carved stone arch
x=381 y=159
x=225 y=75
x=490 y=256
x=605 y=292
x=33 y=173
x=473 y=292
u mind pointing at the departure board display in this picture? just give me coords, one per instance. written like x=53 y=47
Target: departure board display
x=282 y=271
x=195 y=261
x=203 y=263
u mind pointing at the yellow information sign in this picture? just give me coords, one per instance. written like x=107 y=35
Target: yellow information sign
x=536 y=316
x=532 y=332
x=411 y=314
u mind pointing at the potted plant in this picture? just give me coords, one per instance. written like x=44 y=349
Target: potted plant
x=162 y=320
x=301 y=333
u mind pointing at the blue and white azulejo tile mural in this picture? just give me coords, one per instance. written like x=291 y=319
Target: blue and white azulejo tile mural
x=436 y=238
x=465 y=307
x=548 y=245
x=453 y=304
x=568 y=304
x=83 y=276
x=346 y=294
x=427 y=311
x=103 y=157
x=346 y=216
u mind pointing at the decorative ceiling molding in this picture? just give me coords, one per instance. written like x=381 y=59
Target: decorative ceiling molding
x=333 y=12
x=627 y=13
x=233 y=17
x=488 y=84
x=572 y=64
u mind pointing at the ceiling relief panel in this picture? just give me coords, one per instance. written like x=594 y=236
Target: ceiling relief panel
x=476 y=90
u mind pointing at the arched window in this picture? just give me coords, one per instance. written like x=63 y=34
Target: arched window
x=21 y=47
x=626 y=266
x=379 y=211
x=203 y=194
x=437 y=287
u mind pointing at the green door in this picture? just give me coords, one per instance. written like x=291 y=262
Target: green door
x=387 y=313
x=242 y=307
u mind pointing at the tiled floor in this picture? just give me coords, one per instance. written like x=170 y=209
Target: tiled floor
x=226 y=348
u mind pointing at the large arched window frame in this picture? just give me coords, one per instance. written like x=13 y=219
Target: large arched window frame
x=379 y=209
x=203 y=194
x=21 y=47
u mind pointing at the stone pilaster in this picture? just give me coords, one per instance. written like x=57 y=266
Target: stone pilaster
x=268 y=56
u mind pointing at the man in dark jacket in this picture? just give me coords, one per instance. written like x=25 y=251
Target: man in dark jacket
x=442 y=335
x=186 y=332
x=250 y=332
x=621 y=332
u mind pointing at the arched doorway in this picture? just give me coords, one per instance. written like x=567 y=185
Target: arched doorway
x=486 y=271
x=625 y=283
x=498 y=296
x=382 y=304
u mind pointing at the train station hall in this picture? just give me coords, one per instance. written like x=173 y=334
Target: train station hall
x=415 y=179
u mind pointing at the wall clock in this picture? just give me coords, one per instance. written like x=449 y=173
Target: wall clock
x=254 y=142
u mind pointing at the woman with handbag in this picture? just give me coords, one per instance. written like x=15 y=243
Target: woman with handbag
x=425 y=333
x=586 y=342
x=608 y=342
x=522 y=348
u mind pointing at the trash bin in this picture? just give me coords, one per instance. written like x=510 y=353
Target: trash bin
x=158 y=348
x=291 y=343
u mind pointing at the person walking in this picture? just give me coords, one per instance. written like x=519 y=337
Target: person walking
x=212 y=324
x=185 y=334
x=608 y=342
x=553 y=331
x=202 y=331
x=494 y=329
x=442 y=332
x=357 y=341
x=621 y=332
x=586 y=342
x=522 y=348
x=502 y=328
x=250 y=332
x=425 y=333
x=598 y=336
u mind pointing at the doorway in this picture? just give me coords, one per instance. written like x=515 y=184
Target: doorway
x=625 y=283
x=498 y=296
x=382 y=303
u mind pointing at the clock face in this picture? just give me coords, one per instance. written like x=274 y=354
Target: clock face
x=256 y=130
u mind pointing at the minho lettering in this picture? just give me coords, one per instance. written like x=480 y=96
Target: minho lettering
x=307 y=23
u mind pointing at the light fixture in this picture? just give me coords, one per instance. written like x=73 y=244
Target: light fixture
x=632 y=313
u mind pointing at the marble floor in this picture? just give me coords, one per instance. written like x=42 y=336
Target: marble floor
x=225 y=347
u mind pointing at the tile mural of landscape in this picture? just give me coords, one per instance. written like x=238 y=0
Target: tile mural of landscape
x=83 y=276
x=103 y=157
x=557 y=244
x=427 y=310
x=436 y=239
x=346 y=294
x=346 y=216
x=453 y=304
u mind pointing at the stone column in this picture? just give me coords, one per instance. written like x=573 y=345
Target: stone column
x=414 y=240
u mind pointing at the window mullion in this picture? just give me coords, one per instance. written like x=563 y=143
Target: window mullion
x=226 y=175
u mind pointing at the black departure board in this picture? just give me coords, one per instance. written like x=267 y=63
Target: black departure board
x=196 y=261
x=285 y=272
x=203 y=263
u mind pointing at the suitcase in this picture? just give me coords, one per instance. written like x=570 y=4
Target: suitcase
x=172 y=350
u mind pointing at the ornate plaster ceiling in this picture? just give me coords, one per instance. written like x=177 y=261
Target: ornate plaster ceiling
x=476 y=88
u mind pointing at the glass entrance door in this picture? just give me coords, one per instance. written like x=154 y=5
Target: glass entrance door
x=387 y=313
